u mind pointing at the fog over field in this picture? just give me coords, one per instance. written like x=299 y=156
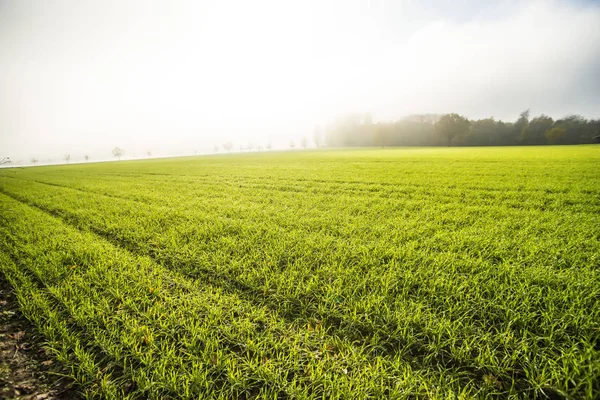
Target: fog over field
x=179 y=77
x=345 y=199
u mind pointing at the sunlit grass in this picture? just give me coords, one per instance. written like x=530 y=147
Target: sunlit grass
x=348 y=274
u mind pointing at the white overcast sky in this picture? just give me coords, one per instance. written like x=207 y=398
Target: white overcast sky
x=177 y=76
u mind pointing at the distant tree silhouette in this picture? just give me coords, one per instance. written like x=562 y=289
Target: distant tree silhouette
x=317 y=136
x=228 y=146
x=427 y=129
x=577 y=129
x=304 y=142
x=34 y=160
x=555 y=135
x=480 y=133
x=117 y=152
x=86 y=157
x=452 y=125
x=67 y=157
x=535 y=131
x=520 y=125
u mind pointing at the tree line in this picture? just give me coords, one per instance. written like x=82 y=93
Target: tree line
x=117 y=152
x=356 y=130
x=457 y=130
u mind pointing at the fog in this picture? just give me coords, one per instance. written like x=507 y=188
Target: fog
x=179 y=77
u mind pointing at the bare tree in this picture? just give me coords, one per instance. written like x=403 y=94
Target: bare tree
x=67 y=157
x=34 y=160
x=117 y=152
x=317 y=136
x=228 y=146
x=304 y=142
x=86 y=158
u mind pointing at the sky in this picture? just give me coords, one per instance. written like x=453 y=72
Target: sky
x=178 y=77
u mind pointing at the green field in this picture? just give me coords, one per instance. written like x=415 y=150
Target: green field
x=372 y=273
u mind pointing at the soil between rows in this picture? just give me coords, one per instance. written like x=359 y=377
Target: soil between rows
x=27 y=372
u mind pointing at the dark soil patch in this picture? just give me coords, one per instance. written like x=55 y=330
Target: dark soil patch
x=26 y=370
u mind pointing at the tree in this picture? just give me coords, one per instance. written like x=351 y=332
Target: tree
x=520 y=126
x=269 y=146
x=117 y=152
x=292 y=144
x=347 y=131
x=216 y=148
x=456 y=130
x=86 y=158
x=577 y=129
x=67 y=157
x=317 y=136
x=502 y=135
x=555 y=135
x=250 y=146
x=534 y=132
x=523 y=119
x=34 y=160
x=452 y=125
x=304 y=142
x=481 y=132
x=228 y=146
x=149 y=153
x=380 y=135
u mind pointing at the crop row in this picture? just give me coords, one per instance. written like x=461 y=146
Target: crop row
x=171 y=336
x=352 y=274
x=458 y=304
